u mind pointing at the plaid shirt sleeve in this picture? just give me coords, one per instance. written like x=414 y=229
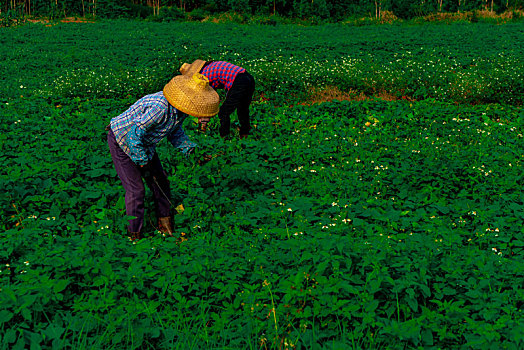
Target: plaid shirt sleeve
x=180 y=140
x=136 y=135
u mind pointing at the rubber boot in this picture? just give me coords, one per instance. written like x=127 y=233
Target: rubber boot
x=134 y=236
x=165 y=225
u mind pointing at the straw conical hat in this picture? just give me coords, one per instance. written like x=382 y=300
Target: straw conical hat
x=192 y=68
x=192 y=95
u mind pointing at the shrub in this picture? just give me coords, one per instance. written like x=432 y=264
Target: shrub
x=228 y=17
x=407 y=9
x=197 y=14
x=169 y=14
x=139 y=11
x=111 y=9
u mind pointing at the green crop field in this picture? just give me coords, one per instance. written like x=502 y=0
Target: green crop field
x=352 y=224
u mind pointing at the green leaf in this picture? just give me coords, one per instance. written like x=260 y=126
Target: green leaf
x=10 y=293
x=413 y=304
x=106 y=269
x=159 y=283
x=60 y=285
x=26 y=314
x=339 y=304
x=5 y=316
x=372 y=305
x=449 y=291
x=54 y=331
x=9 y=336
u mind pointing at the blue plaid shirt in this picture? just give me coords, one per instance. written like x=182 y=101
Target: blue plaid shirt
x=139 y=129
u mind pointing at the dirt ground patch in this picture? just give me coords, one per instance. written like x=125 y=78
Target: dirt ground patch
x=48 y=22
x=330 y=93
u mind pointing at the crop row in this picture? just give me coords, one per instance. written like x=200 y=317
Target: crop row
x=366 y=224
x=457 y=63
x=347 y=224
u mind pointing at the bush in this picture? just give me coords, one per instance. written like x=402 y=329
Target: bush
x=228 y=17
x=306 y=9
x=271 y=20
x=240 y=6
x=197 y=14
x=169 y=14
x=139 y=11
x=10 y=18
x=408 y=10
x=111 y=10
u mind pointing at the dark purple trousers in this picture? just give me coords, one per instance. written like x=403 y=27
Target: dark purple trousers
x=131 y=176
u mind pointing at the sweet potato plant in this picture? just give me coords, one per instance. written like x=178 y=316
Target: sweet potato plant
x=348 y=224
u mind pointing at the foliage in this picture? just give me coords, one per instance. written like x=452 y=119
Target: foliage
x=306 y=9
x=240 y=6
x=169 y=14
x=133 y=58
x=112 y=9
x=11 y=17
x=349 y=224
x=408 y=9
x=316 y=11
x=197 y=15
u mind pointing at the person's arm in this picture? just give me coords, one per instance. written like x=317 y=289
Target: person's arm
x=180 y=140
x=141 y=124
x=178 y=137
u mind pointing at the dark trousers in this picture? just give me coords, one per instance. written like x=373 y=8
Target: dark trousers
x=131 y=176
x=239 y=98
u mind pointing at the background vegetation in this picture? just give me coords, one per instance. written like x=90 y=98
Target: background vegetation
x=265 y=11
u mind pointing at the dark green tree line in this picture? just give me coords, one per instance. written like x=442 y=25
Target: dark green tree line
x=334 y=10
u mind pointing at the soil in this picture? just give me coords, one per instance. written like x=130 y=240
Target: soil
x=49 y=23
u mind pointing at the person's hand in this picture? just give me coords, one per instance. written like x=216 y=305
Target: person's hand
x=202 y=124
x=145 y=169
x=205 y=159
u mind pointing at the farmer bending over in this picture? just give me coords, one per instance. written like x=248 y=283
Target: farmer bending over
x=134 y=134
x=239 y=86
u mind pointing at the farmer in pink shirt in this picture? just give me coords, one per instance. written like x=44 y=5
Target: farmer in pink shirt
x=239 y=86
